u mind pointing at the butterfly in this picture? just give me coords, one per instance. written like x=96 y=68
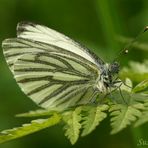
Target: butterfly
x=54 y=70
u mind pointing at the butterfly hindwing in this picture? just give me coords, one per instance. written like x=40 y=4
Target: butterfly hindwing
x=53 y=81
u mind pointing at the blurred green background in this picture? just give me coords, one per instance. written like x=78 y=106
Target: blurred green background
x=98 y=24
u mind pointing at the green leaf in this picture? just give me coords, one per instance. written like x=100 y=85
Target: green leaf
x=127 y=86
x=72 y=128
x=94 y=115
x=126 y=109
x=144 y=117
x=127 y=96
x=141 y=86
x=26 y=129
x=37 y=113
x=123 y=115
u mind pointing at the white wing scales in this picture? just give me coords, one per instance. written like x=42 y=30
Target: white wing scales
x=58 y=86
x=53 y=70
x=46 y=35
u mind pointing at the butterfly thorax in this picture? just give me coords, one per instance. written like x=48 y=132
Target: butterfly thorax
x=108 y=77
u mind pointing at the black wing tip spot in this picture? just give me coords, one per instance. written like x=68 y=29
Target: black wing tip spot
x=25 y=23
x=21 y=26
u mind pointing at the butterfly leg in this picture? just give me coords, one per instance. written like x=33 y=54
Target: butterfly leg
x=122 y=96
x=93 y=98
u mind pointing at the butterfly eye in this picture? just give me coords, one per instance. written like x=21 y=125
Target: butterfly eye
x=105 y=78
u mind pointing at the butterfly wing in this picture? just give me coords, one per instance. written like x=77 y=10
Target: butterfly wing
x=47 y=35
x=53 y=70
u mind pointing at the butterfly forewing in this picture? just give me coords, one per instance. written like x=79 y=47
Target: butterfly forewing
x=15 y=47
x=46 y=35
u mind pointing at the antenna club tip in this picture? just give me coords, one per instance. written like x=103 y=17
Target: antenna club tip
x=126 y=51
x=146 y=28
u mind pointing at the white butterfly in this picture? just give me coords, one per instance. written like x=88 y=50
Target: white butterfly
x=55 y=71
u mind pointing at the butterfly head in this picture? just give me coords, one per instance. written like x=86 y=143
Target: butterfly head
x=109 y=74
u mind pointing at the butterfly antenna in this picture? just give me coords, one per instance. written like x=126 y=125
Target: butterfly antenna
x=122 y=96
x=130 y=44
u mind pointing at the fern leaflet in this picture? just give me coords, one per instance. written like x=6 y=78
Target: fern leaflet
x=93 y=117
x=26 y=129
x=123 y=115
x=72 y=128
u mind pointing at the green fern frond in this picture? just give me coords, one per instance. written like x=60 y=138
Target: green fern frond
x=36 y=113
x=123 y=115
x=144 y=118
x=141 y=86
x=94 y=115
x=124 y=112
x=72 y=124
x=26 y=129
x=126 y=108
x=127 y=86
